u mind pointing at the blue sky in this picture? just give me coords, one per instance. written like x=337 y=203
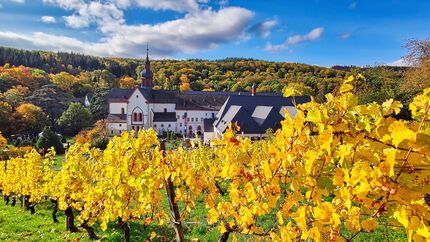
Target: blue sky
x=322 y=32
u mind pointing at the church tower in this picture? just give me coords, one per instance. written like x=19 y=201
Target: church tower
x=146 y=74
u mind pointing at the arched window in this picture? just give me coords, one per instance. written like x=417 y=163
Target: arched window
x=137 y=115
x=122 y=110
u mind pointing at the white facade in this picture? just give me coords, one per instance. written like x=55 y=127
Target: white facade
x=117 y=128
x=190 y=122
x=118 y=107
x=137 y=113
x=162 y=127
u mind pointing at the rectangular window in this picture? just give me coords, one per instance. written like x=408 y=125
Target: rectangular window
x=177 y=117
x=162 y=126
x=122 y=110
x=169 y=125
x=192 y=119
x=155 y=126
x=188 y=119
x=180 y=124
x=135 y=117
x=140 y=117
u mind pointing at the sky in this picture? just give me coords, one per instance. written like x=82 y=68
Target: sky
x=318 y=32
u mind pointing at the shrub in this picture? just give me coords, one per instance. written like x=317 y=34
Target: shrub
x=100 y=143
x=26 y=142
x=50 y=139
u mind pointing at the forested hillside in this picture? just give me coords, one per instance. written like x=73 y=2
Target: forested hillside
x=51 y=81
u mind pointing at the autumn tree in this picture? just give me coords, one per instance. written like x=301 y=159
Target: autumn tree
x=64 y=80
x=51 y=99
x=128 y=82
x=32 y=117
x=418 y=77
x=75 y=118
x=15 y=95
x=185 y=83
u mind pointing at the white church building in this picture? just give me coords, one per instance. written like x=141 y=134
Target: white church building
x=206 y=114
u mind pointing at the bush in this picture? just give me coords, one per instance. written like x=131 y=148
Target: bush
x=50 y=139
x=100 y=143
x=26 y=142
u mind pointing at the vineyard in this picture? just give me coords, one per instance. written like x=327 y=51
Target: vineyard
x=333 y=172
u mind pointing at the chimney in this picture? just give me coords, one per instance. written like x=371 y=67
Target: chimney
x=253 y=90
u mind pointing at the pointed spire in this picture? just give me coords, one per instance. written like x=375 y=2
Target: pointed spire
x=147 y=52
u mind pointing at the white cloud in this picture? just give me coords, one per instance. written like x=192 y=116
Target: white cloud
x=315 y=34
x=352 y=6
x=198 y=31
x=48 y=19
x=311 y=36
x=399 y=62
x=263 y=28
x=275 y=48
x=345 y=35
x=18 y=1
x=201 y=28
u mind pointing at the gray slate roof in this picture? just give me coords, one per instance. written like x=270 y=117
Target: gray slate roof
x=164 y=117
x=208 y=125
x=189 y=100
x=117 y=118
x=254 y=114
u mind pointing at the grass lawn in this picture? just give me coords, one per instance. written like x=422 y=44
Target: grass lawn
x=17 y=224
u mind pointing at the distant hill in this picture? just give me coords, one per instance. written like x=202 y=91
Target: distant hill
x=52 y=80
x=230 y=74
x=89 y=73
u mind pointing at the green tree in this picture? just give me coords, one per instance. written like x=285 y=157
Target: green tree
x=49 y=139
x=98 y=106
x=5 y=117
x=75 y=118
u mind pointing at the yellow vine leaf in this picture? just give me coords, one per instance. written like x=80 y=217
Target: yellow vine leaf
x=399 y=132
x=346 y=87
